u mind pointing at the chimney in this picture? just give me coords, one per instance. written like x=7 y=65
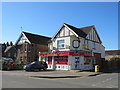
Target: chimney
x=11 y=44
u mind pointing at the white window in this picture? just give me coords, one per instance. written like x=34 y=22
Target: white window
x=86 y=43
x=60 y=44
x=93 y=45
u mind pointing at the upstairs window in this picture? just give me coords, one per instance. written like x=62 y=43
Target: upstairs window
x=86 y=43
x=25 y=48
x=60 y=44
x=93 y=45
x=29 y=47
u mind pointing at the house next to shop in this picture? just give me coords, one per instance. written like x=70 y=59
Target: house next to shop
x=74 y=48
x=28 y=45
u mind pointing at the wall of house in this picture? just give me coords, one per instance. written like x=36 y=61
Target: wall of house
x=31 y=55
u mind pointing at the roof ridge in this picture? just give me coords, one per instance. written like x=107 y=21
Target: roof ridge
x=86 y=26
x=35 y=34
x=78 y=31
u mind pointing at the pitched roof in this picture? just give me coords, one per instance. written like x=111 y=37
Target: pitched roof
x=112 y=51
x=37 y=39
x=86 y=29
x=8 y=48
x=78 y=31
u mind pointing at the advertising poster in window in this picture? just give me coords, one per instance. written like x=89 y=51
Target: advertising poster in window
x=61 y=60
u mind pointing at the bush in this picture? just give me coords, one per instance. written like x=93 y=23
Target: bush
x=5 y=65
x=18 y=66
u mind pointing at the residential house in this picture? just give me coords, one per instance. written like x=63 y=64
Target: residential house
x=28 y=45
x=73 y=48
x=10 y=52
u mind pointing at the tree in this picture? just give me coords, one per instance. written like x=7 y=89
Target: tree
x=115 y=58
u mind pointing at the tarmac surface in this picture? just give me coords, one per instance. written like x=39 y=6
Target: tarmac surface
x=58 y=79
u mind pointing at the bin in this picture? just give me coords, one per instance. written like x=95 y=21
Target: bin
x=97 y=68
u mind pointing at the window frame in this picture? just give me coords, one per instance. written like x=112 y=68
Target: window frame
x=63 y=43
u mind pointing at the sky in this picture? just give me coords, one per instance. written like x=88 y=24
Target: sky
x=45 y=18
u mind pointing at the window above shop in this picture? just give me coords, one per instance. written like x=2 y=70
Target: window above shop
x=60 y=44
x=93 y=45
x=86 y=43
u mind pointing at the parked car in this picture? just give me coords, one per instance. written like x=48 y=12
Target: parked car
x=36 y=65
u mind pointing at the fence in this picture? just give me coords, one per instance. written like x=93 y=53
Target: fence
x=111 y=65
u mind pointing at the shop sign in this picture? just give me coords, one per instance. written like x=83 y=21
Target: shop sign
x=66 y=54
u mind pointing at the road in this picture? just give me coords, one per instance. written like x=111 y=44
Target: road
x=21 y=79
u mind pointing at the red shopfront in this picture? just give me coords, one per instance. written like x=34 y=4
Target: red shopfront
x=60 y=60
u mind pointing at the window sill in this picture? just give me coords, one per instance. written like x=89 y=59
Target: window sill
x=61 y=48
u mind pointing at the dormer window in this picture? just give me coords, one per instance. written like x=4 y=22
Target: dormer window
x=60 y=44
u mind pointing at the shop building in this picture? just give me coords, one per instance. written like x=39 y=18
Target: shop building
x=74 y=48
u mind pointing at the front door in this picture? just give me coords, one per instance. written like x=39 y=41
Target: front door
x=77 y=63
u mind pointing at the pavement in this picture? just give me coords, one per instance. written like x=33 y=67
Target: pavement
x=56 y=73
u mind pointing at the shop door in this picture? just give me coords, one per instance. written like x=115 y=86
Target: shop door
x=77 y=63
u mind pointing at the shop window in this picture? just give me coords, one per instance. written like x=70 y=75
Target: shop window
x=87 y=61
x=60 y=44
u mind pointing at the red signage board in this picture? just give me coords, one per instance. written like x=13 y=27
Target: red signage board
x=66 y=54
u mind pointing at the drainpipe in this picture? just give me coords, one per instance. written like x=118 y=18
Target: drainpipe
x=39 y=57
x=53 y=63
